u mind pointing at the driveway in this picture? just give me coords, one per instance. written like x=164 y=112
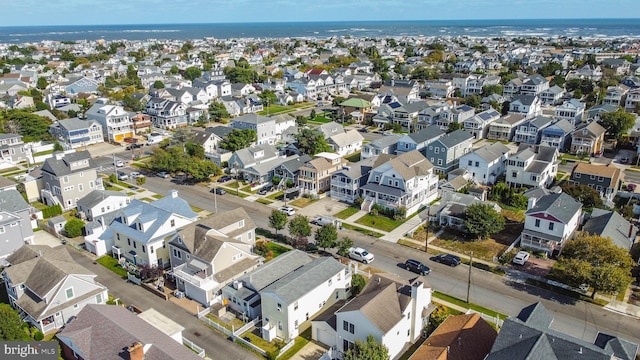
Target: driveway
x=535 y=266
x=215 y=345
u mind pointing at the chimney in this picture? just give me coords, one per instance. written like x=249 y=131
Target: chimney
x=531 y=203
x=173 y=193
x=59 y=155
x=136 y=351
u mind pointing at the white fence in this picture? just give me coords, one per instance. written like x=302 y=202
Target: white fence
x=288 y=346
x=194 y=347
x=247 y=326
x=216 y=326
x=134 y=279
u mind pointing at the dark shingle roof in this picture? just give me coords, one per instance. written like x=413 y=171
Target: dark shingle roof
x=561 y=206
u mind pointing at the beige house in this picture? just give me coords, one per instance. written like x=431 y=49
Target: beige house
x=588 y=139
x=209 y=254
x=315 y=176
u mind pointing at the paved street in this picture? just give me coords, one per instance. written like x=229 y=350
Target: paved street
x=216 y=345
x=506 y=295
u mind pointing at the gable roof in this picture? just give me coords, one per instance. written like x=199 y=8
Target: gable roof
x=408 y=165
x=455 y=138
x=427 y=133
x=275 y=269
x=62 y=166
x=303 y=280
x=609 y=171
x=382 y=301
x=97 y=196
x=105 y=332
x=561 y=206
x=346 y=138
x=492 y=152
x=12 y=201
x=612 y=225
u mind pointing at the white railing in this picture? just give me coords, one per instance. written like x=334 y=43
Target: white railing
x=247 y=326
x=190 y=344
x=288 y=346
x=216 y=326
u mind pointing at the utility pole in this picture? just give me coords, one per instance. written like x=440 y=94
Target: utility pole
x=215 y=199
x=426 y=229
x=237 y=182
x=469 y=280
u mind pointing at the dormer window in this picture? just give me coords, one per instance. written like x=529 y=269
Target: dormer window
x=241 y=223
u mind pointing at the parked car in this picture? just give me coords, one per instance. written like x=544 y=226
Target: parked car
x=521 y=258
x=218 y=191
x=135 y=174
x=118 y=163
x=134 y=146
x=364 y=130
x=122 y=176
x=417 y=267
x=288 y=210
x=361 y=254
x=324 y=220
x=225 y=178
x=264 y=190
x=447 y=259
x=163 y=174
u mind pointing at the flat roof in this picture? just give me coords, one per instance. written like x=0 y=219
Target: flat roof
x=161 y=322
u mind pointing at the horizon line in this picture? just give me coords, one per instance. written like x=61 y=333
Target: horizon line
x=320 y=21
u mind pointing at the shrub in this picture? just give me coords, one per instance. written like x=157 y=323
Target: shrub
x=357 y=283
x=38 y=335
x=73 y=227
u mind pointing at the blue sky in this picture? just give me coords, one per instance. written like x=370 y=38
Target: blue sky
x=98 y=12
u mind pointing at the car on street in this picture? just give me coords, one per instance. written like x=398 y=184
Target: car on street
x=521 y=258
x=225 y=178
x=417 y=267
x=288 y=210
x=134 y=146
x=361 y=255
x=363 y=130
x=447 y=259
x=218 y=191
x=122 y=176
x=118 y=163
x=135 y=174
x=163 y=174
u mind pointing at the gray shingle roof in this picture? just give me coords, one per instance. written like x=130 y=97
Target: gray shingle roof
x=276 y=269
x=612 y=225
x=96 y=196
x=455 y=138
x=105 y=332
x=301 y=281
x=561 y=206
x=430 y=132
x=11 y=201
x=63 y=166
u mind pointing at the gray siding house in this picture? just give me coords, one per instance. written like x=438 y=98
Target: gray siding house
x=12 y=149
x=419 y=140
x=265 y=127
x=445 y=152
x=15 y=222
x=66 y=178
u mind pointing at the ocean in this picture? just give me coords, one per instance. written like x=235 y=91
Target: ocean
x=546 y=28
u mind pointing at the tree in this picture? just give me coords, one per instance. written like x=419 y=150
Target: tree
x=277 y=220
x=268 y=97
x=194 y=150
x=192 y=73
x=344 y=245
x=589 y=197
x=492 y=89
x=57 y=146
x=369 y=349
x=311 y=141
x=596 y=261
x=473 y=100
x=158 y=84
x=132 y=104
x=217 y=111
x=617 y=123
x=141 y=180
x=238 y=139
x=31 y=126
x=453 y=126
x=327 y=236
x=12 y=328
x=73 y=227
x=299 y=227
x=42 y=83
x=482 y=220
x=357 y=283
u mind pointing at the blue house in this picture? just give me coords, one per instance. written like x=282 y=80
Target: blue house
x=531 y=131
x=557 y=135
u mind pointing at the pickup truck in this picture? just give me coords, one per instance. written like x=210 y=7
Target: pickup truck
x=323 y=220
x=360 y=254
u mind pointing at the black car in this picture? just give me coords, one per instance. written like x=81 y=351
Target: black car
x=447 y=259
x=225 y=178
x=264 y=190
x=218 y=191
x=417 y=267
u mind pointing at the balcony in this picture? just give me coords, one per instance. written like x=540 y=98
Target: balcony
x=196 y=277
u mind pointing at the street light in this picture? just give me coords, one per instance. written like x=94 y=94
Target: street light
x=425 y=216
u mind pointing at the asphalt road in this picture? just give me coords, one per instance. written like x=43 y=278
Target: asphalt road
x=216 y=346
x=577 y=318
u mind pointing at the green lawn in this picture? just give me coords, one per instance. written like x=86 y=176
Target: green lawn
x=464 y=304
x=346 y=213
x=112 y=264
x=157 y=196
x=320 y=120
x=264 y=201
x=362 y=230
x=355 y=157
x=302 y=201
x=235 y=192
x=146 y=199
x=276 y=248
x=276 y=195
x=300 y=342
x=259 y=342
x=379 y=222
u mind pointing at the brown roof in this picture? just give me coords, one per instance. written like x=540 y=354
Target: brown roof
x=408 y=165
x=461 y=337
x=105 y=332
x=608 y=171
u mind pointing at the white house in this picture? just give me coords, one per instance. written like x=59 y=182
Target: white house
x=528 y=105
x=487 y=163
x=392 y=310
x=532 y=166
x=550 y=221
x=346 y=143
x=100 y=202
x=48 y=287
x=115 y=121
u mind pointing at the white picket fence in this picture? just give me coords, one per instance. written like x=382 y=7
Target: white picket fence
x=247 y=326
x=216 y=326
x=134 y=279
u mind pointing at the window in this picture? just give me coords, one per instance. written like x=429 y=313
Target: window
x=129 y=242
x=173 y=222
x=349 y=327
x=75 y=306
x=477 y=163
x=347 y=345
x=65 y=179
x=295 y=324
x=514 y=174
x=279 y=325
x=279 y=306
x=329 y=282
x=537 y=223
x=80 y=187
x=143 y=249
x=151 y=249
x=99 y=299
x=177 y=254
x=592 y=177
x=600 y=179
x=295 y=306
x=439 y=161
x=578 y=175
x=551 y=226
x=69 y=293
x=437 y=150
x=470 y=163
